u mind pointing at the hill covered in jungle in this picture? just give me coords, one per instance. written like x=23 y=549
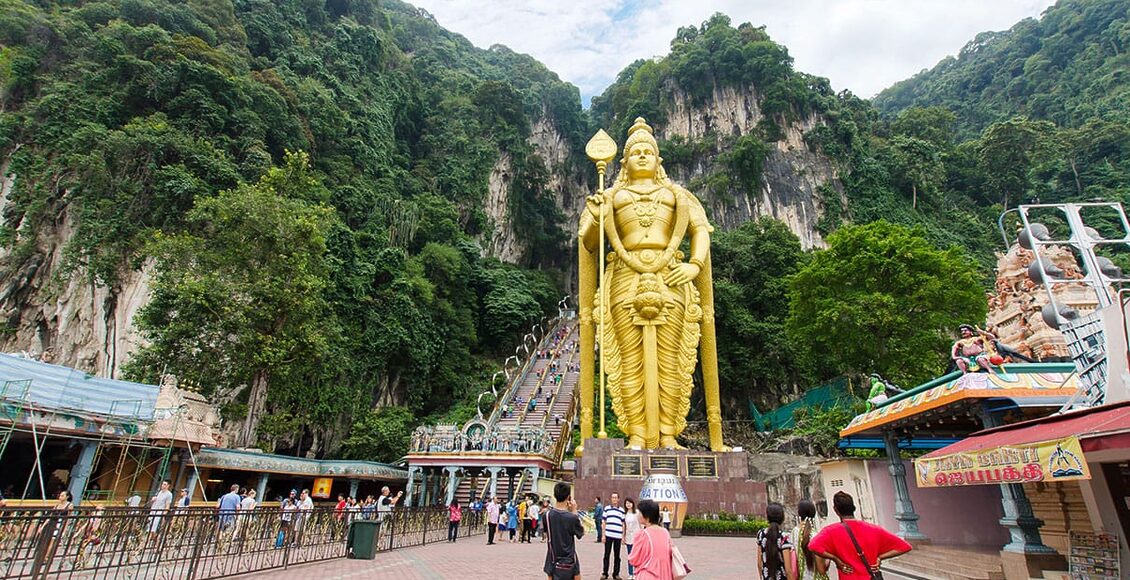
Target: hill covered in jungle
x=335 y=218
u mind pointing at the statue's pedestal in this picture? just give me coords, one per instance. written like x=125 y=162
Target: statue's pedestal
x=714 y=482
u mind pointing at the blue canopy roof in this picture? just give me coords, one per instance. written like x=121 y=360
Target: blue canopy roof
x=64 y=388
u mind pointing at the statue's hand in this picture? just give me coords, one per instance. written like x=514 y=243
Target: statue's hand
x=682 y=274
x=595 y=203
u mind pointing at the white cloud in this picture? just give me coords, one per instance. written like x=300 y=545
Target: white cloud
x=861 y=45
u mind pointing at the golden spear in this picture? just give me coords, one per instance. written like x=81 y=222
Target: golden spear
x=600 y=149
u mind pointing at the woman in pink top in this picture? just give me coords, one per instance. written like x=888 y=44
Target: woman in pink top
x=651 y=548
x=454 y=516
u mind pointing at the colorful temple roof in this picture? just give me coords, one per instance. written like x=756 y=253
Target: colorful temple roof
x=242 y=460
x=948 y=405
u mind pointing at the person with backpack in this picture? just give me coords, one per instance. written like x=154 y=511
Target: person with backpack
x=562 y=528
x=858 y=548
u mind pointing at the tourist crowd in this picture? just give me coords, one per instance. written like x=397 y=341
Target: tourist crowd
x=856 y=548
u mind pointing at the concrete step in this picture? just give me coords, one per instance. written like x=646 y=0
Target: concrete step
x=930 y=562
x=969 y=565
x=929 y=571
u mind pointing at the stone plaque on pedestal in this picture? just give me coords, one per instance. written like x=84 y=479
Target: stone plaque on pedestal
x=713 y=482
x=627 y=466
x=702 y=466
x=664 y=462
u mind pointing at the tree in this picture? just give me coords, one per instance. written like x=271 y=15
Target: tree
x=916 y=163
x=752 y=265
x=883 y=299
x=238 y=303
x=1008 y=152
x=932 y=124
x=380 y=435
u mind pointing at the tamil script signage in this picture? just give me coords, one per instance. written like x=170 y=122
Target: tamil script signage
x=1046 y=461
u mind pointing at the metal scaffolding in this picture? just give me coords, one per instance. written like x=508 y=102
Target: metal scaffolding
x=125 y=428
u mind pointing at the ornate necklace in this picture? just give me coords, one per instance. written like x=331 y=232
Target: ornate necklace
x=646 y=205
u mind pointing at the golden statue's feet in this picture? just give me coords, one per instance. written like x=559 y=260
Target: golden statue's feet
x=635 y=442
x=668 y=442
x=722 y=449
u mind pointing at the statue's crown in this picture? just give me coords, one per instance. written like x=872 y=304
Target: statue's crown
x=640 y=132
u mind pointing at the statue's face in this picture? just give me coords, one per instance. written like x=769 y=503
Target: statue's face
x=643 y=161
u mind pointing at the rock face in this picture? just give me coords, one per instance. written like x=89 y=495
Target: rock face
x=788 y=479
x=501 y=242
x=65 y=319
x=792 y=176
x=567 y=171
x=566 y=185
x=69 y=320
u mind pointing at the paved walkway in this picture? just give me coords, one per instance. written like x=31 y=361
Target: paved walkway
x=470 y=558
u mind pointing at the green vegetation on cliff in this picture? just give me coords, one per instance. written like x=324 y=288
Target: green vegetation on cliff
x=328 y=281
x=307 y=185
x=1068 y=67
x=1038 y=113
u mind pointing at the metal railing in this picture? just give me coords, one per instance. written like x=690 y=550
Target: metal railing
x=196 y=543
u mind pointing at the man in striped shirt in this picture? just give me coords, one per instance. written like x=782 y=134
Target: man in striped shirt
x=613 y=519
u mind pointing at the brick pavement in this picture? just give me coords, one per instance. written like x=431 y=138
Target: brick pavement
x=472 y=559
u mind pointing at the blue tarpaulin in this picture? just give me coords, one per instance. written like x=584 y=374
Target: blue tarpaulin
x=64 y=388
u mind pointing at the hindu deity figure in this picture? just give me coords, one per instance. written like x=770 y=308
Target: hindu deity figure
x=974 y=350
x=657 y=302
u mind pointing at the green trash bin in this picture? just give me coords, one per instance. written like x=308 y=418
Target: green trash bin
x=363 y=539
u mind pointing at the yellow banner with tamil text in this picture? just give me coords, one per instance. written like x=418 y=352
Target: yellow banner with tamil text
x=1047 y=461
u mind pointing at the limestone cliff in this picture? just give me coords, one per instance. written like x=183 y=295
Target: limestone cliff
x=568 y=180
x=792 y=186
x=66 y=318
x=793 y=177
x=500 y=241
x=565 y=185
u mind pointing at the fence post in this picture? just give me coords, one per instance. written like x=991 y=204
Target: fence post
x=196 y=546
x=288 y=539
x=162 y=529
x=391 y=521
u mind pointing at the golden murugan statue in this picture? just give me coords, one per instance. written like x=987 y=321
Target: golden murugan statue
x=656 y=304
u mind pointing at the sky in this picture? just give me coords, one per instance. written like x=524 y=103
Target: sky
x=860 y=45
